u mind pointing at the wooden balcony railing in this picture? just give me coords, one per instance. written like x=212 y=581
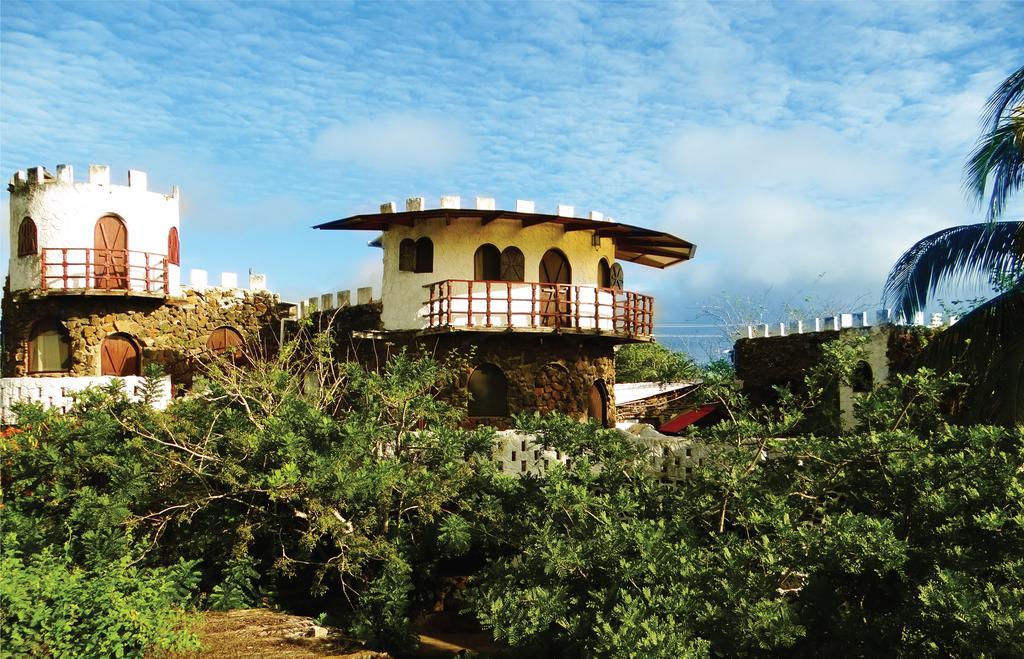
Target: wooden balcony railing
x=468 y=304
x=72 y=268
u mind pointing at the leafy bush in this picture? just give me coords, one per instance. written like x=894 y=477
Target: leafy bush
x=652 y=362
x=49 y=606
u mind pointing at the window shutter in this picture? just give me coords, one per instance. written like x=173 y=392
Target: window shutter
x=407 y=255
x=513 y=265
x=617 y=276
x=28 y=244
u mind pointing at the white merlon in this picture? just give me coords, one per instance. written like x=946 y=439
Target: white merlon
x=229 y=280
x=36 y=174
x=303 y=309
x=313 y=304
x=388 y=207
x=197 y=279
x=597 y=216
x=21 y=176
x=137 y=179
x=364 y=295
x=764 y=328
x=99 y=174
x=485 y=203
x=257 y=281
x=845 y=320
x=782 y=329
x=799 y=327
x=175 y=192
x=344 y=299
x=524 y=206
x=565 y=211
x=750 y=331
x=66 y=173
x=451 y=201
x=415 y=204
x=327 y=301
x=919 y=318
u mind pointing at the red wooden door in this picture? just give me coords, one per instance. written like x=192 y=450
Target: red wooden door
x=228 y=342
x=110 y=255
x=119 y=356
x=554 y=305
x=597 y=403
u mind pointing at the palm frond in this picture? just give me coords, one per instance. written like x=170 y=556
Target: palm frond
x=958 y=253
x=999 y=157
x=1010 y=94
x=986 y=345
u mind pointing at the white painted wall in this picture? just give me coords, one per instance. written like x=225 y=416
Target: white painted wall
x=59 y=392
x=65 y=214
x=403 y=293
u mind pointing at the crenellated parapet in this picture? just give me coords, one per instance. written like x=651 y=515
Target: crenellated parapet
x=71 y=236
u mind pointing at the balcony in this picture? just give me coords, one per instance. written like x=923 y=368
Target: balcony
x=103 y=271
x=463 y=304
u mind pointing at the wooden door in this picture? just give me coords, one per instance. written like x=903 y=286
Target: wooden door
x=110 y=256
x=597 y=405
x=119 y=356
x=554 y=300
x=228 y=342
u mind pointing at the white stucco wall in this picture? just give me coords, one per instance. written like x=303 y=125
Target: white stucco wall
x=403 y=293
x=60 y=392
x=65 y=214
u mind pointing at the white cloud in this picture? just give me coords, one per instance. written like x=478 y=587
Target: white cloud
x=396 y=141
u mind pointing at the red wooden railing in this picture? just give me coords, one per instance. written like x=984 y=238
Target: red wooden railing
x=74 y=268
x=465 y=303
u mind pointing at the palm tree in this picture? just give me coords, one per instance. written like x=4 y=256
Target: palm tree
x=988 y=343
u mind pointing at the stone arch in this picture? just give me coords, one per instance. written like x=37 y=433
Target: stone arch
x=553 y=389
x=49 y=347
x=487 y=263
x=120 y=355
x=28 y=238
x=488 y=392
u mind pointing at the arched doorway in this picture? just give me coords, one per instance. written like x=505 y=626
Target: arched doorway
x=227 y=342
x=119 y=356
x=110 y=255
x=488 y=392
x=554 y=305
x=597 y=403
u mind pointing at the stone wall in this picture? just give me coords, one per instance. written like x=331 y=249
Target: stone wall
x=544 y=372
x=171 y=332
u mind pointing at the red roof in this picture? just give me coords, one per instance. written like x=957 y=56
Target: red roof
x=686 y=418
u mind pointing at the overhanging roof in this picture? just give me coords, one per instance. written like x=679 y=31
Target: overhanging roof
x=633 y=244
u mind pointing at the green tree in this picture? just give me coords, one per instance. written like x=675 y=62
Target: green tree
x=652 y=362
x=986 y=343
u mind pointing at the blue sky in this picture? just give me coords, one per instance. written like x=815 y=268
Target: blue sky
x=802 y=146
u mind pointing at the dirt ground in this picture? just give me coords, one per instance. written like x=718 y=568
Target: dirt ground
x=266 y=634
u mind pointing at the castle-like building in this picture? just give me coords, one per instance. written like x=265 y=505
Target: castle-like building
x=94 y=289
x=536 y=300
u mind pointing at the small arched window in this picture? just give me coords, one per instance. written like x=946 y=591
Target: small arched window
x=119 y=355
x=227 y=341
x=862 y=380
x=488 y=391
x=173 y=247
x=604 y=274
x=28 y=240
x=407 y=255
x=513 y=264
x=424 y=255
x=487 y=263
x=49 y=348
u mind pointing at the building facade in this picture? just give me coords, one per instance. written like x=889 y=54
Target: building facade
x=537 y=301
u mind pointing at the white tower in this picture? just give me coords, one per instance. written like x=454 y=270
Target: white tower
x=93 y=237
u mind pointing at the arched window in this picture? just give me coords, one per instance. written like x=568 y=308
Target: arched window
x=487 y=263
x=862 y=380
x=226 y=341
x=28 y=240
x=604 y=274
x=513 y=265
x=173 y=247
x=119 y=355
x=49 y=348
x=488 y=391
x=424 y=255
x=407 y=255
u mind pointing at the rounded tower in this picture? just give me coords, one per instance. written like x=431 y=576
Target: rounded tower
x=92 y=237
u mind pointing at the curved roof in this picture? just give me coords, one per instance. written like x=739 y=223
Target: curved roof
x=634 y=244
